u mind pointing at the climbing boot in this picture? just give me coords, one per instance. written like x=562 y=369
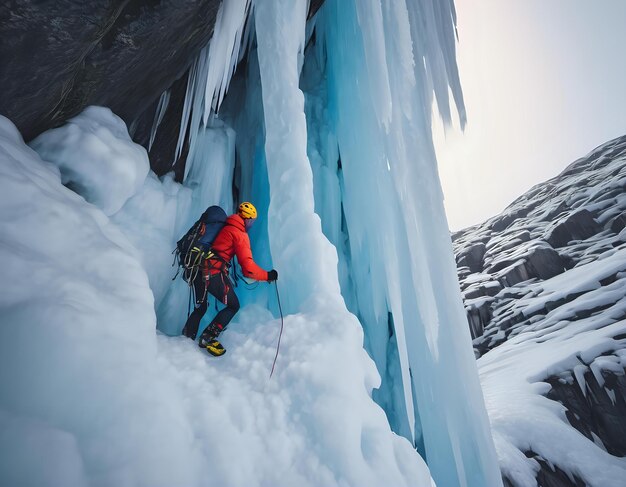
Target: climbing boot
x=213 y=347
x=208 y=339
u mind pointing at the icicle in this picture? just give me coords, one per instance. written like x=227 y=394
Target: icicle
x=197 y=106
x=158 y=116
x=189 y=99
x=611 y=394
x=224 y=52
x=433 y=30
x=579 y=373
x=370 y=17
x=248 y=35
x=210 y=74
x=596 y=369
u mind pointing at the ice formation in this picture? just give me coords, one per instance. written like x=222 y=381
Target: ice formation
x=368 y=80
x=158 y=116
x=326 y=127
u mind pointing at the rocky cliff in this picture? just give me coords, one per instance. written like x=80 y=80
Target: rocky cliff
x=550 y=271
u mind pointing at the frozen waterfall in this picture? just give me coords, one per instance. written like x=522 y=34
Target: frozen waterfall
x=325 y=125
x=369 y=74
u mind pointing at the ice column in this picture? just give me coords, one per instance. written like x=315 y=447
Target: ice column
x=306 y=261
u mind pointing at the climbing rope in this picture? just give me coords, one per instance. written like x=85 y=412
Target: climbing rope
x=282 y=323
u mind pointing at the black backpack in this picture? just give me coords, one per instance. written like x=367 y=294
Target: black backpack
x=192 y=248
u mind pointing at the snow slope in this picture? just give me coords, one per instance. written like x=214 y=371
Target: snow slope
x=78 y=343
x=103 y=400
x=545 y=293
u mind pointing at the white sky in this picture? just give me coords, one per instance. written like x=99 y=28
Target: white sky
x=544 y=83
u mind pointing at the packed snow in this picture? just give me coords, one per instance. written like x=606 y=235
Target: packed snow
x=90 y=148
x=79 y=368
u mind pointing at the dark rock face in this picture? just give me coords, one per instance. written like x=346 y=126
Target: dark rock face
x=545 y=262
x=479 y=316
x=551 y=476
x=619 y=223
x=514 y=274
x=314 y=6
x=597 y=411
x=568 y=221
x=472 y=257
x=60 y=56
x=578 y=225
x=162 y=153
x=548 y=475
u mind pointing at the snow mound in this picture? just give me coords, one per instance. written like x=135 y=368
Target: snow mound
x=151 y=220
x=77 y=345
x=97 y=157
x=99 y=161
x=92 y=395
x=299 y=428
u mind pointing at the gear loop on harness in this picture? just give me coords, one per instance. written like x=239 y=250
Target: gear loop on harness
x=198 y=260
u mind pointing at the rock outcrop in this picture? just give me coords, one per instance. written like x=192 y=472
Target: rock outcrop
x=563 y=223
x=58 y=57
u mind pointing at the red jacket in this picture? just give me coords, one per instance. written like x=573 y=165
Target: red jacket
x=233 y=240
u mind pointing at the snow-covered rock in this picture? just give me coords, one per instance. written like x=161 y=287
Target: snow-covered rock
x=552 y=341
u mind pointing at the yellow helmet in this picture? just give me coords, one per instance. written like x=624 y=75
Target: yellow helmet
x=246 y=210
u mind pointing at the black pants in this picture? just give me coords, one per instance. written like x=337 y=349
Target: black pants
x=220 y=286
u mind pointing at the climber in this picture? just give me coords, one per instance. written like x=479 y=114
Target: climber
x=231 y=240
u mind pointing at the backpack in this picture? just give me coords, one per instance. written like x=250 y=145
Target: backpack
x=191 y=249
